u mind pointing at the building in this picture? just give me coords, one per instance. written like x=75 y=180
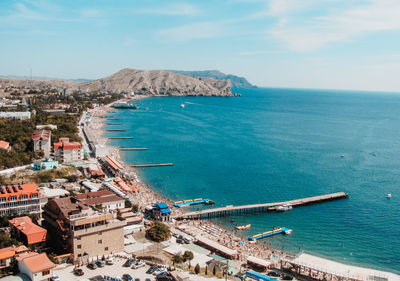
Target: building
x=47 y=126
x=161 y=211
x=46 y=164
x=104 y=198
x=19 y=199
x=18 y=115
x=68 y=152
x=6 y=254
x=5 y=145
x=83 y=231
x=36 y=266
x=42 y=141
x=23 y=229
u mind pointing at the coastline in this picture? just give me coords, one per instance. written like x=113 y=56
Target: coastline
x=223 y=236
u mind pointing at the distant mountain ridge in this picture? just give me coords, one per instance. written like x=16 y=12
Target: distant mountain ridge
x=237 y=82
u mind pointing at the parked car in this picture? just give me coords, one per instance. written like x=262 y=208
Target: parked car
x=164 y=277
x=159 y=271
x=129 y=262
x=147 y=279
x=138 y=265
x=100 y=263
x=78 y=271
x=176 y=235
x=273 y=274
x=127 y=277
x=55 y=278
x=187 y=240
x=152 y=269
x=286 y=277
x=110 y=261
x=180 y=241
x=92 y=265
x=137 y=279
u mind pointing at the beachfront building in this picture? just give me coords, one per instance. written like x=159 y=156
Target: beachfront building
x=68 y=152
x=24 y=230
x=161 y=212
x=46 y=164
x=83 y=231
x=42 y=141
x=19 y=199
x=36 y=266
x=5 y=145
x=112 y=166
x=18 y=115
x=104 y=199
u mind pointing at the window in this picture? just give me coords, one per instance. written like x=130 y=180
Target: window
x=79 y=246
x=100 y=233
x=100 y=241
x=106 y=249
x=45 y=272
x=79 y=255
x=78 y=238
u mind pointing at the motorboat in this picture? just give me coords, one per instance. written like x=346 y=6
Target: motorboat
x=389 y=196
x=242 y=227
x=182 y=105
x=284 y=208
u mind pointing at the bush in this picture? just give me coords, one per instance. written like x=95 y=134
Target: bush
x=158 y=232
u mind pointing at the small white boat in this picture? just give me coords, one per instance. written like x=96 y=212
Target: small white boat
x=284 y=208
x=389 y=196
x=182 y=105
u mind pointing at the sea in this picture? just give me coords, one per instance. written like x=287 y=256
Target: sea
x=275 y=144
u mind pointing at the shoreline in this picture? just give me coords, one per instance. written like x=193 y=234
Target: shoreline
x=226 y=236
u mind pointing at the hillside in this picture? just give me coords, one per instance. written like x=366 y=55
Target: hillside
x=237 y=82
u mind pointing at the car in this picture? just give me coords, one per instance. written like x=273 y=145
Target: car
x=180 y=241
x=152 y=269
x=78 y=271
x=100 y=263
x=55 y=278
x=164 y=277
x=147 y=279
x=129 y=262
x=110 y=261
x=286 y=277
x=159 y=271
x=139 y=264
x=273 y=274
x=137 y=279
x=176 y=235
x=127 y=277
x=92 y=265
x=187 y=240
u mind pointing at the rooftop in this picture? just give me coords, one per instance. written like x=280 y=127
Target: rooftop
x=102 y=200
x=114 y=163
x=34 y=233
x=6 y=253
x=41 y=135
x=18 y=190
x=100 y=193
x=38 y=262
x=67 y=145
x=68 y=206
x=4 y=144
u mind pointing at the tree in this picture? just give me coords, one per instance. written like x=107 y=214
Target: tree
x=214 y=270
x=188 y=256
x=135 y=208
x=14 y=266
x=197 y=269
x=206 y=271
x=158 y=232
x=177 y=258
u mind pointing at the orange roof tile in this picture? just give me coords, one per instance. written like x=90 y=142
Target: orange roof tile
x=19 y=190
x=38 y=262
x=34 y=233
x=6 y=253
x=67 y=145
x=4 y=145
x=41 y=135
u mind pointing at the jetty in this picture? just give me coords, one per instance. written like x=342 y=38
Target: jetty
x=113 y=119
x=152 y=165
x=112 y=123
x=275 y=231
x=133 y=148
x=120 y=138
x=258 y=208
x=190 y=202
x=115 y=130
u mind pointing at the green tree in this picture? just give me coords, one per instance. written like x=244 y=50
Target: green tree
x=177 y=258
x=206 y=271
x=135 y=208
x=214 y=272
x=14 y=266
x=188 y=256
x=158 y=232
x=197 y=269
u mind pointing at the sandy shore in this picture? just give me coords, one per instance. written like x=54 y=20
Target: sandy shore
x=231 y=239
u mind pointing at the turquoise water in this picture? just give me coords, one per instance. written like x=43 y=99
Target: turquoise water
x=280 y=144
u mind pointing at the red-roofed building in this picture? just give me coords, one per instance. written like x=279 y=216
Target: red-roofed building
x=37 y=266
x=6 y=254
x=104 y=198
x=42 y=141
x=25 y=230
x=5 y=145
x=68 y=152
x=19 y=199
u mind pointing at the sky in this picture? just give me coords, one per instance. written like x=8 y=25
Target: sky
x=329 y=44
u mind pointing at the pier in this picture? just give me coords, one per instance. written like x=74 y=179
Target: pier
x=112 y=123
x=120 y=138
x=278 y=230
x=190 y=202
x=258 y=208
x=133 y=148
x=113 y=119
x=152 y=165
x=115 y=130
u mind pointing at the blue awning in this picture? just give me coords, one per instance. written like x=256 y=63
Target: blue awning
x=165 y=211
x=259 y=276
x=161 y=205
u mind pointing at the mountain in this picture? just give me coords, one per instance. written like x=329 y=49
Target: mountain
x=159 y=82
x=237 y=82
x=146 y=82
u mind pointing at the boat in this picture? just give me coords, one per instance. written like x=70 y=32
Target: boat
x=182 y=105
x=284 y=208
x=241 y=227
x=389 y=196
x=124 y=105
x=209 y=202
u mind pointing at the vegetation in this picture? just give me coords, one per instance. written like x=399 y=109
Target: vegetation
x=158 y=232
x=188 y=256
x=177 y=259
x=6 y=241
x=197 y=269
x=5 y=218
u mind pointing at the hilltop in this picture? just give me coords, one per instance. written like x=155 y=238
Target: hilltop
x=237 y=82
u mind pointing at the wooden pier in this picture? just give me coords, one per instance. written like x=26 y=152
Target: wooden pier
x=133 y=148
x=112 y=123
x=115 y=130
x=258 y=208
x=120 y=138
x=152 y=165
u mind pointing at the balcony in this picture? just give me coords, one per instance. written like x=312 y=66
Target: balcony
x=98 y=228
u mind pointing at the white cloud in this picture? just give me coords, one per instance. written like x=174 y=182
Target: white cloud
x=345 y=25
x=200 y=30
x=182 y=9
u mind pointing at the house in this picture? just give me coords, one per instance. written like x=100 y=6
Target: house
x=46 y=164
x=36 y=266
x=5 y=145
x=42 y=141
x=6 y=254
x=19 y=199
x=161 y=211
x=23 y=115
x=68 y=152
x=26 y=231
x=80 y=229
x=104 y=198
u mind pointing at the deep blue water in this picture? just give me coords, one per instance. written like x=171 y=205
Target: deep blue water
x=280 y=144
